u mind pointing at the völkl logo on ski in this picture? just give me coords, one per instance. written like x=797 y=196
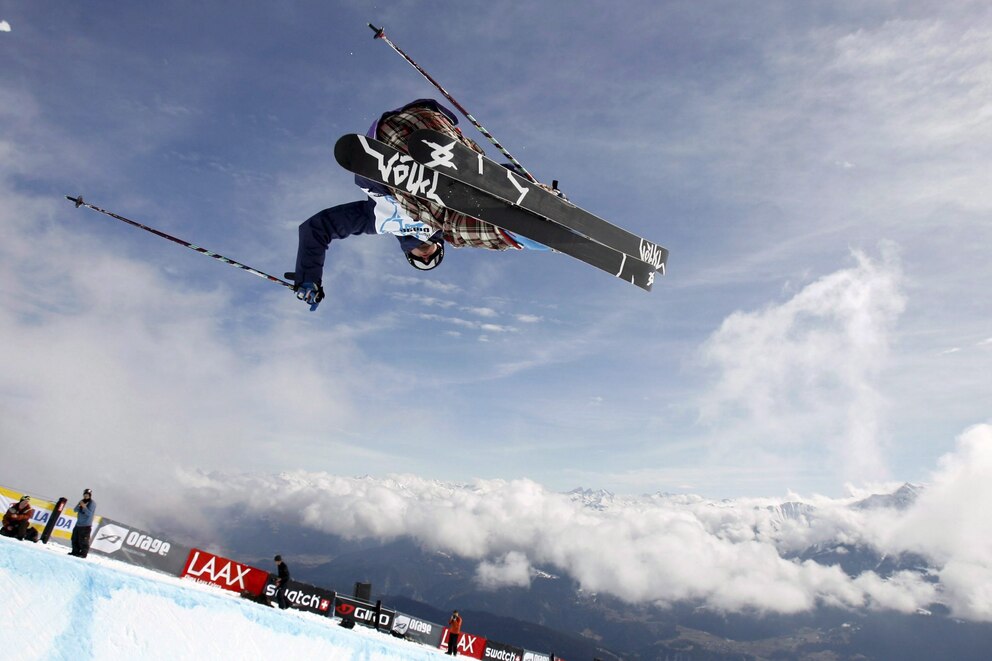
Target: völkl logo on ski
x=402 y=172
x=654 y=255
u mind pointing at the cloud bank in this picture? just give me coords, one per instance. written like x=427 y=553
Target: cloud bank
x=730 y=555
x=805 y=370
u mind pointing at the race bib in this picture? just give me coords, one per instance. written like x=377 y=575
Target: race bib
x=390 y=219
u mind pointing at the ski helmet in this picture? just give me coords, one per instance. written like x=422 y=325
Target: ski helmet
x=427 y=263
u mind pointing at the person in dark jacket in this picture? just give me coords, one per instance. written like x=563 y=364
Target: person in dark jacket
x=422 y=227
x=85 y=511
x=282 y=583
x=17 y=518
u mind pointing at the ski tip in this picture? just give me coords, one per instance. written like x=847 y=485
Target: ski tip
x=78 y=201
x=378 y=31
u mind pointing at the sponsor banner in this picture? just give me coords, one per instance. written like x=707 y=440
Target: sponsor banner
x=362 y=612
x=137 y=547
x=535 y=656
x=206 y=567
x=43 y=513
x=418 y=630
x=304 y=597
x=502 y=652
x=468 y=644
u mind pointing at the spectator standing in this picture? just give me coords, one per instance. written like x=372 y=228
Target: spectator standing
x=17 y=518
x=282 y=583
x=454 y=631
x=85 y=511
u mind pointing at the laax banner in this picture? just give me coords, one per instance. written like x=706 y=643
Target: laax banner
x=468 y=644
x=362 y=612
x=502 y=652
x=206 y=567
x=418 y=630
x=138 y=547
x=304 y=597
x=42 y=513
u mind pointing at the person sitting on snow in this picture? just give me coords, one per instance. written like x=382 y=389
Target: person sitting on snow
x=17 y=518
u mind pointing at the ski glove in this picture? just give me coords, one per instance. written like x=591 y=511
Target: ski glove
x=311 y=294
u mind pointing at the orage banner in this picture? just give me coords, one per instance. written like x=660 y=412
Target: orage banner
x=535 y=656
x=418 y=630
x=137 y=547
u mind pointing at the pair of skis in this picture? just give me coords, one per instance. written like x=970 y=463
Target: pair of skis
x=444 y=171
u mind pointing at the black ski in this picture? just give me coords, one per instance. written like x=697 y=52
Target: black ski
x=381 y=163
x=449 y=156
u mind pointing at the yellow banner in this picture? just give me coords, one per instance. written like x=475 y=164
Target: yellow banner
x=43 y=512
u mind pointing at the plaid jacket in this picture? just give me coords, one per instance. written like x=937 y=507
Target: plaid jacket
x=459 y=230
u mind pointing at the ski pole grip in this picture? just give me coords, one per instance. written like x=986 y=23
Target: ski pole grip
x=378 y=31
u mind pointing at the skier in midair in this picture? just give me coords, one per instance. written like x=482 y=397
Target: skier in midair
x=423 y=228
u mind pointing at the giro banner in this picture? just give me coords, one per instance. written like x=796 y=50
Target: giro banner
x=418 y=630
x=362 y=612
x=206 y=567
x=303 y=597
x=43 y=509
x=502 y=652
x=137 y=547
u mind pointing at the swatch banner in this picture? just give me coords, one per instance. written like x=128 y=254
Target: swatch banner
x=303 y=597
x=362 y=612
x=206 y=567
x=468 y=644
x=137 y=547
x=418 y=630
x=42 y=513
x=502 y=652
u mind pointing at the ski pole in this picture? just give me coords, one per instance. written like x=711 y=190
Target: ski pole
x=79 y=202
x=380 y=33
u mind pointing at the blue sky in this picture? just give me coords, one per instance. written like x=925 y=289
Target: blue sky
x=820 y=177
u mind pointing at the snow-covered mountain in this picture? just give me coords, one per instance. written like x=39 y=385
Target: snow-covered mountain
x=901 y=499
x=597 y=499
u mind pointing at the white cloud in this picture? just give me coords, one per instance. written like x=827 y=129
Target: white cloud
x=511 y=570
x=804 y=371
x=482 y=311
x=422 y=283
x=468 y=323
x=4 y=26
x=950 y=524
x=729 y=554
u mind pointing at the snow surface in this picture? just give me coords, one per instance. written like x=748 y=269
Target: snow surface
x=59 y=607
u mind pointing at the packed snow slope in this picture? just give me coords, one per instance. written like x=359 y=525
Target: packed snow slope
x=58 y=607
